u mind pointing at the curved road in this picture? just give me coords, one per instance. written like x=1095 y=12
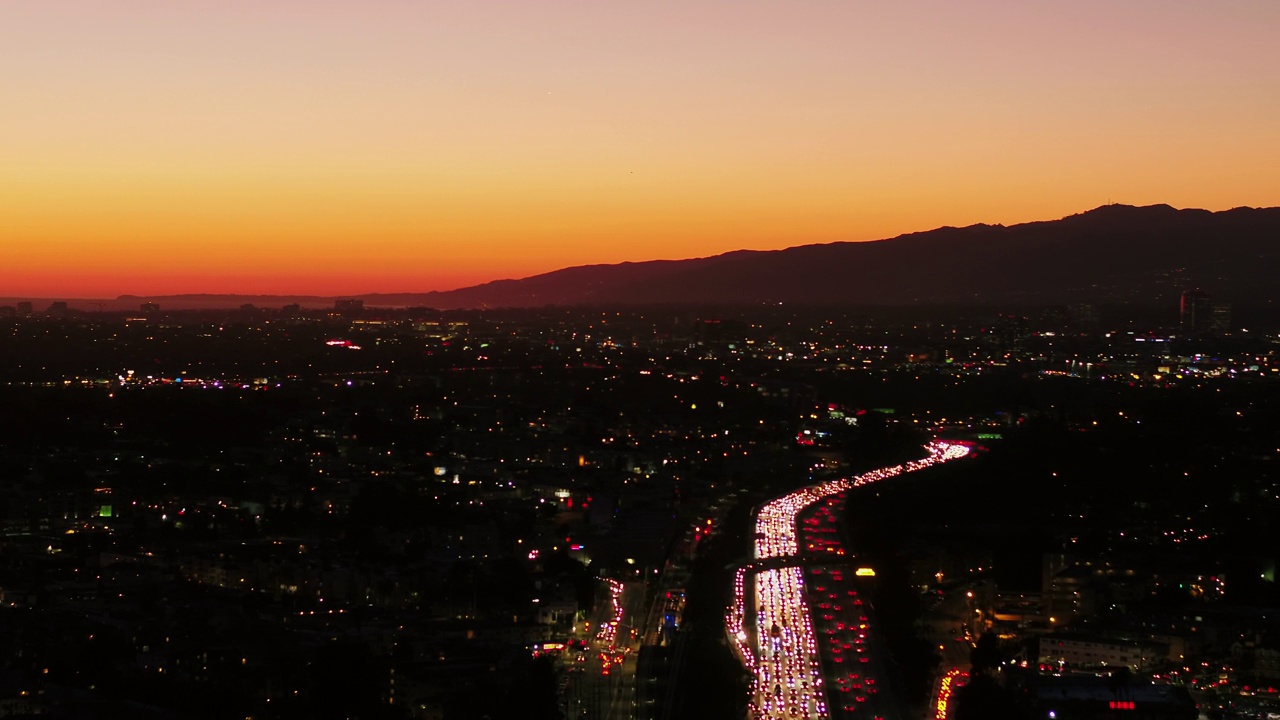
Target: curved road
x=772 y=627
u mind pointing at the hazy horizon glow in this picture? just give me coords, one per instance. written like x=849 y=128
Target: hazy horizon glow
x=328 y=147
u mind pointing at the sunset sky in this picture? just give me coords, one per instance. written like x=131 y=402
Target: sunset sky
x=326 y=147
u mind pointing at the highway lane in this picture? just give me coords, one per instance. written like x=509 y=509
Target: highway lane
x=600 y=684
x=771 y=622
x=951 y=622
x=944 y=692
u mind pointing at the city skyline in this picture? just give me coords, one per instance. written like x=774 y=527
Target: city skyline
x=540 y=514
x=328 y=149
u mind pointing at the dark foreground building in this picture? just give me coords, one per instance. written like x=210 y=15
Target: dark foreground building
x=1095 y=698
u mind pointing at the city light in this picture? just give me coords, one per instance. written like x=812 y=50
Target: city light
x=946 y=690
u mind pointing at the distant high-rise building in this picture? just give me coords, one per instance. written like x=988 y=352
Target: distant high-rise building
x=291 y=310
x=348 y=307
x=1199 y=314
x=1083 y=315
x=1219 y=317
x=1193 y=311
x=25 y=308
x=58 y=308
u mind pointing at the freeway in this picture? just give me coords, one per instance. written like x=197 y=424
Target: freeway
x=773 y=627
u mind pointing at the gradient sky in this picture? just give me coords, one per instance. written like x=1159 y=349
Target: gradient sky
x=317 y=146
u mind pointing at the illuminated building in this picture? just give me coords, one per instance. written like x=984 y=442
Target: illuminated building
x=1193 y=311
x=1089 y=651
x=1198 y=314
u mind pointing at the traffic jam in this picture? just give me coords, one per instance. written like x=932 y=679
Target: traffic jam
x=804 y=633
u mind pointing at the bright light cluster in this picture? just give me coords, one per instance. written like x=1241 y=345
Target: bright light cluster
x=788 y=677
x=608 y=632
x=787 y=673
x=776 y=522
x=735 y=621
x=946 y=689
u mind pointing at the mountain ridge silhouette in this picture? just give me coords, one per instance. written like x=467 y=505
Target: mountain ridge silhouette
x=1110 y=254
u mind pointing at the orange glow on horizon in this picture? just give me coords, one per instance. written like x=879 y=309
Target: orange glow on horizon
x=324 y=148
